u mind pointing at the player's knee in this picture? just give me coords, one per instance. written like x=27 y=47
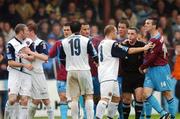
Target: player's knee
x=89 y=96
x=115 y=99
x=167 y=94
x=46 y=101
x=63 y=97
x=36 y=102
x=105 y=99
x=24 y=100
x=139 y=98
x=96 y=99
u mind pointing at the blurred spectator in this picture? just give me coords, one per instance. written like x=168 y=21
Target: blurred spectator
x=142 y=36
x=166 y=29
x=94 y=31
x=3 y=9
x=176 y=25
x=12 y=15
x=176 y=36
x=162 y=7
x=3 y=60
x=3 y=74
x=119 y=15
x=131 y=17
x=82 y=20
x=56 y=31
x=72 y=11
x=8 y=31
x=63 y=21
x=176 y=5
x=43 y=30
x=112 y=22
x=54 y=6
x=35 y=5
x=173 y=17
x=40 y=14
x=53 y=18
x=89 y=16
x=98 y=10
x=24 y=9
x=142 y=12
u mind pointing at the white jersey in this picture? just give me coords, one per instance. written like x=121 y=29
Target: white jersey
x=108 y=65
x=76 y=48
x=13 y=50
x=41 y=48
x=27 y=43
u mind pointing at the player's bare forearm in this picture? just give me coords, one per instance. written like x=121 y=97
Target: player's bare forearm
x=135 y=50
x=42 y=57
x=13 y=63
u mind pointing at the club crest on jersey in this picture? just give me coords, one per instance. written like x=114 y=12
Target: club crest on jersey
x=28 y=43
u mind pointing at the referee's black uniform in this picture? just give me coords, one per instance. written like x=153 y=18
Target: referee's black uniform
x=132 y=78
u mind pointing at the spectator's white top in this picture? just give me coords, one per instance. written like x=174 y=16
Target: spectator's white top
x=75 y=48
x=108 y=65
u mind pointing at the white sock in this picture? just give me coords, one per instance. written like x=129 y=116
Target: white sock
x=89 y=105
x=50 y=112
x=74 y=110
x=31 y=110
x=23 y=112
x=100 y=109
x=112 y=109
x=8 y=111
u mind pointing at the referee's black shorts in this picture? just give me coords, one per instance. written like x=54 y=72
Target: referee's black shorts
x=131 y=81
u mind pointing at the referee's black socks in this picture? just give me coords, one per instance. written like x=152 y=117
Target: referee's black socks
x=126 y=110
x=138 y=109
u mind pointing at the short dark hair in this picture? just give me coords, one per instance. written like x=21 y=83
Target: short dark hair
x=67 y=24
x=108 y=29
x=19 y=27
x=124 y=22
x=84 y=23
x=32 y=27
x=134 y=28
x=75 y=27
x=155 y=21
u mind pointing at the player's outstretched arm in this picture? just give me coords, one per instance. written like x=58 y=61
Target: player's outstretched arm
x=140 y=49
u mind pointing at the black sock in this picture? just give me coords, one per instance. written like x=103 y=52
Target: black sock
x=138 y=109
x=126 y=110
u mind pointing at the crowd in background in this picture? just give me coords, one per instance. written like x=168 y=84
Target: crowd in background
x=51 y=15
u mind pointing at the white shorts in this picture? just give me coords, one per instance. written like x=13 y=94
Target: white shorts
x=39 y=86
x=79 y=83
x=109 y=88
x=19 y=83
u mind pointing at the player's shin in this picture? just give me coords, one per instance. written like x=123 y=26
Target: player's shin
x=8 y=111
x=63 y=109
x=112 y=109
x=89 y=105
x=74 y=109
x=101 y=107
x=31 y=110
x=50 y=111
x=126 y=110
x=138 y=109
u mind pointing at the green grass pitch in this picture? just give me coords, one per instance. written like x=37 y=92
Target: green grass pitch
x=131 y=117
